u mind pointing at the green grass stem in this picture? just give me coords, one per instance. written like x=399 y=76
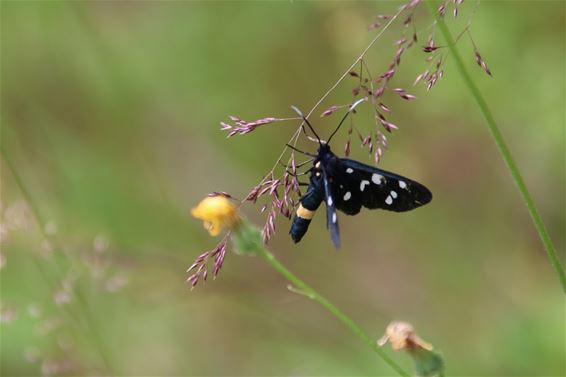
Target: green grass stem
x=82 y=303
x=501 y=145
x=302 y=287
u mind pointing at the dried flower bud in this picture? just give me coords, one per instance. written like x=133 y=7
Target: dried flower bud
x=428 y=49
x=402 y=336
x=421 y=76
x=329 y=111
x=430 y=46
x=347 y=148
x=243 y=127
x=384 y=107
x=374 y=25
x=220 y=193
x=408 y=97
x=442 y=9
x=481 y=62
x=379 y=92
x=388 y=74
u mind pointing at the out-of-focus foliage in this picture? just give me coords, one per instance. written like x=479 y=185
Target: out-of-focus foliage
x=110 y=116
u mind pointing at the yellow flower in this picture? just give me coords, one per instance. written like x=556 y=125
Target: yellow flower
x=217 y=212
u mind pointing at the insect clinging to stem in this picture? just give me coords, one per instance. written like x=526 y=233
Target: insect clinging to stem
x=348 y=185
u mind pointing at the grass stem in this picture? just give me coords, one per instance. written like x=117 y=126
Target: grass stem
x=305 y=289
x=501 y=145
x=85 y=314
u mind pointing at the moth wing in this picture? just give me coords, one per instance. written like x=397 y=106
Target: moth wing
x=331 y=215
x=364 y=185
x=346 y=189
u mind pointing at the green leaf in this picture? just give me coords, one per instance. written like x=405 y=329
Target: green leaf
x=246 y=239
x=427 y=363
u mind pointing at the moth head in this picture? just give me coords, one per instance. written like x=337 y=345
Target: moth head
x=324 y=148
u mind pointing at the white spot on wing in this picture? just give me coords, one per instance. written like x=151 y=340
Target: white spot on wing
x=376 y=178
x=393 y=194
x=334 y=217
x=402 y=184
x=349 y=170
x=329 y=200
x=347 y=195
x=388 y=200
x=363 y=184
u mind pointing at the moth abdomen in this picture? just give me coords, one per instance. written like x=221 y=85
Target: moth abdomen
x=299 y=228
x=306 y=210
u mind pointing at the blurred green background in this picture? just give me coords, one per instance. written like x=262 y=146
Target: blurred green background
x=110 y=118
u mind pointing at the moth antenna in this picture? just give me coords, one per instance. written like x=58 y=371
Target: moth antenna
x=300 y=113
x=346 y=116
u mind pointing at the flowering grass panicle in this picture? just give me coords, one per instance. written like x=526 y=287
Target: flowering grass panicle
x=279 y=190
x=200 y=265
x=242 y=127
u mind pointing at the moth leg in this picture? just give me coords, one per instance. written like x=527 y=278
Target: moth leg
x=297 y=166
x=304 y=162
x=298 y=174
x=300 y=151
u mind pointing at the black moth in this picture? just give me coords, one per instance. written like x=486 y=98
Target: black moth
x=347 y=185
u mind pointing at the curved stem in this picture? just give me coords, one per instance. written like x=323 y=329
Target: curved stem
x=85 y=314
x=311 y=293
x=501 y=145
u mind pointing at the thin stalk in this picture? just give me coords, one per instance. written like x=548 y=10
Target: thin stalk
x=77 y=294
x=501 y=145
x=305 y=289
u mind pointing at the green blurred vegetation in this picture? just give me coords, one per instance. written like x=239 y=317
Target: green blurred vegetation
x=110 y=116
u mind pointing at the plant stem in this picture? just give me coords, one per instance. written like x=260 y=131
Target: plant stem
x=311 y=293
x=95 y=338
x=501 y=145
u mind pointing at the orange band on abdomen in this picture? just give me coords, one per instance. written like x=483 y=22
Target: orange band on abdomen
x=304 y=213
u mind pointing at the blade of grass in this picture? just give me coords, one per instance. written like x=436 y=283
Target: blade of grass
x=82 y=303
x=501 y=145
x=305 y=289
